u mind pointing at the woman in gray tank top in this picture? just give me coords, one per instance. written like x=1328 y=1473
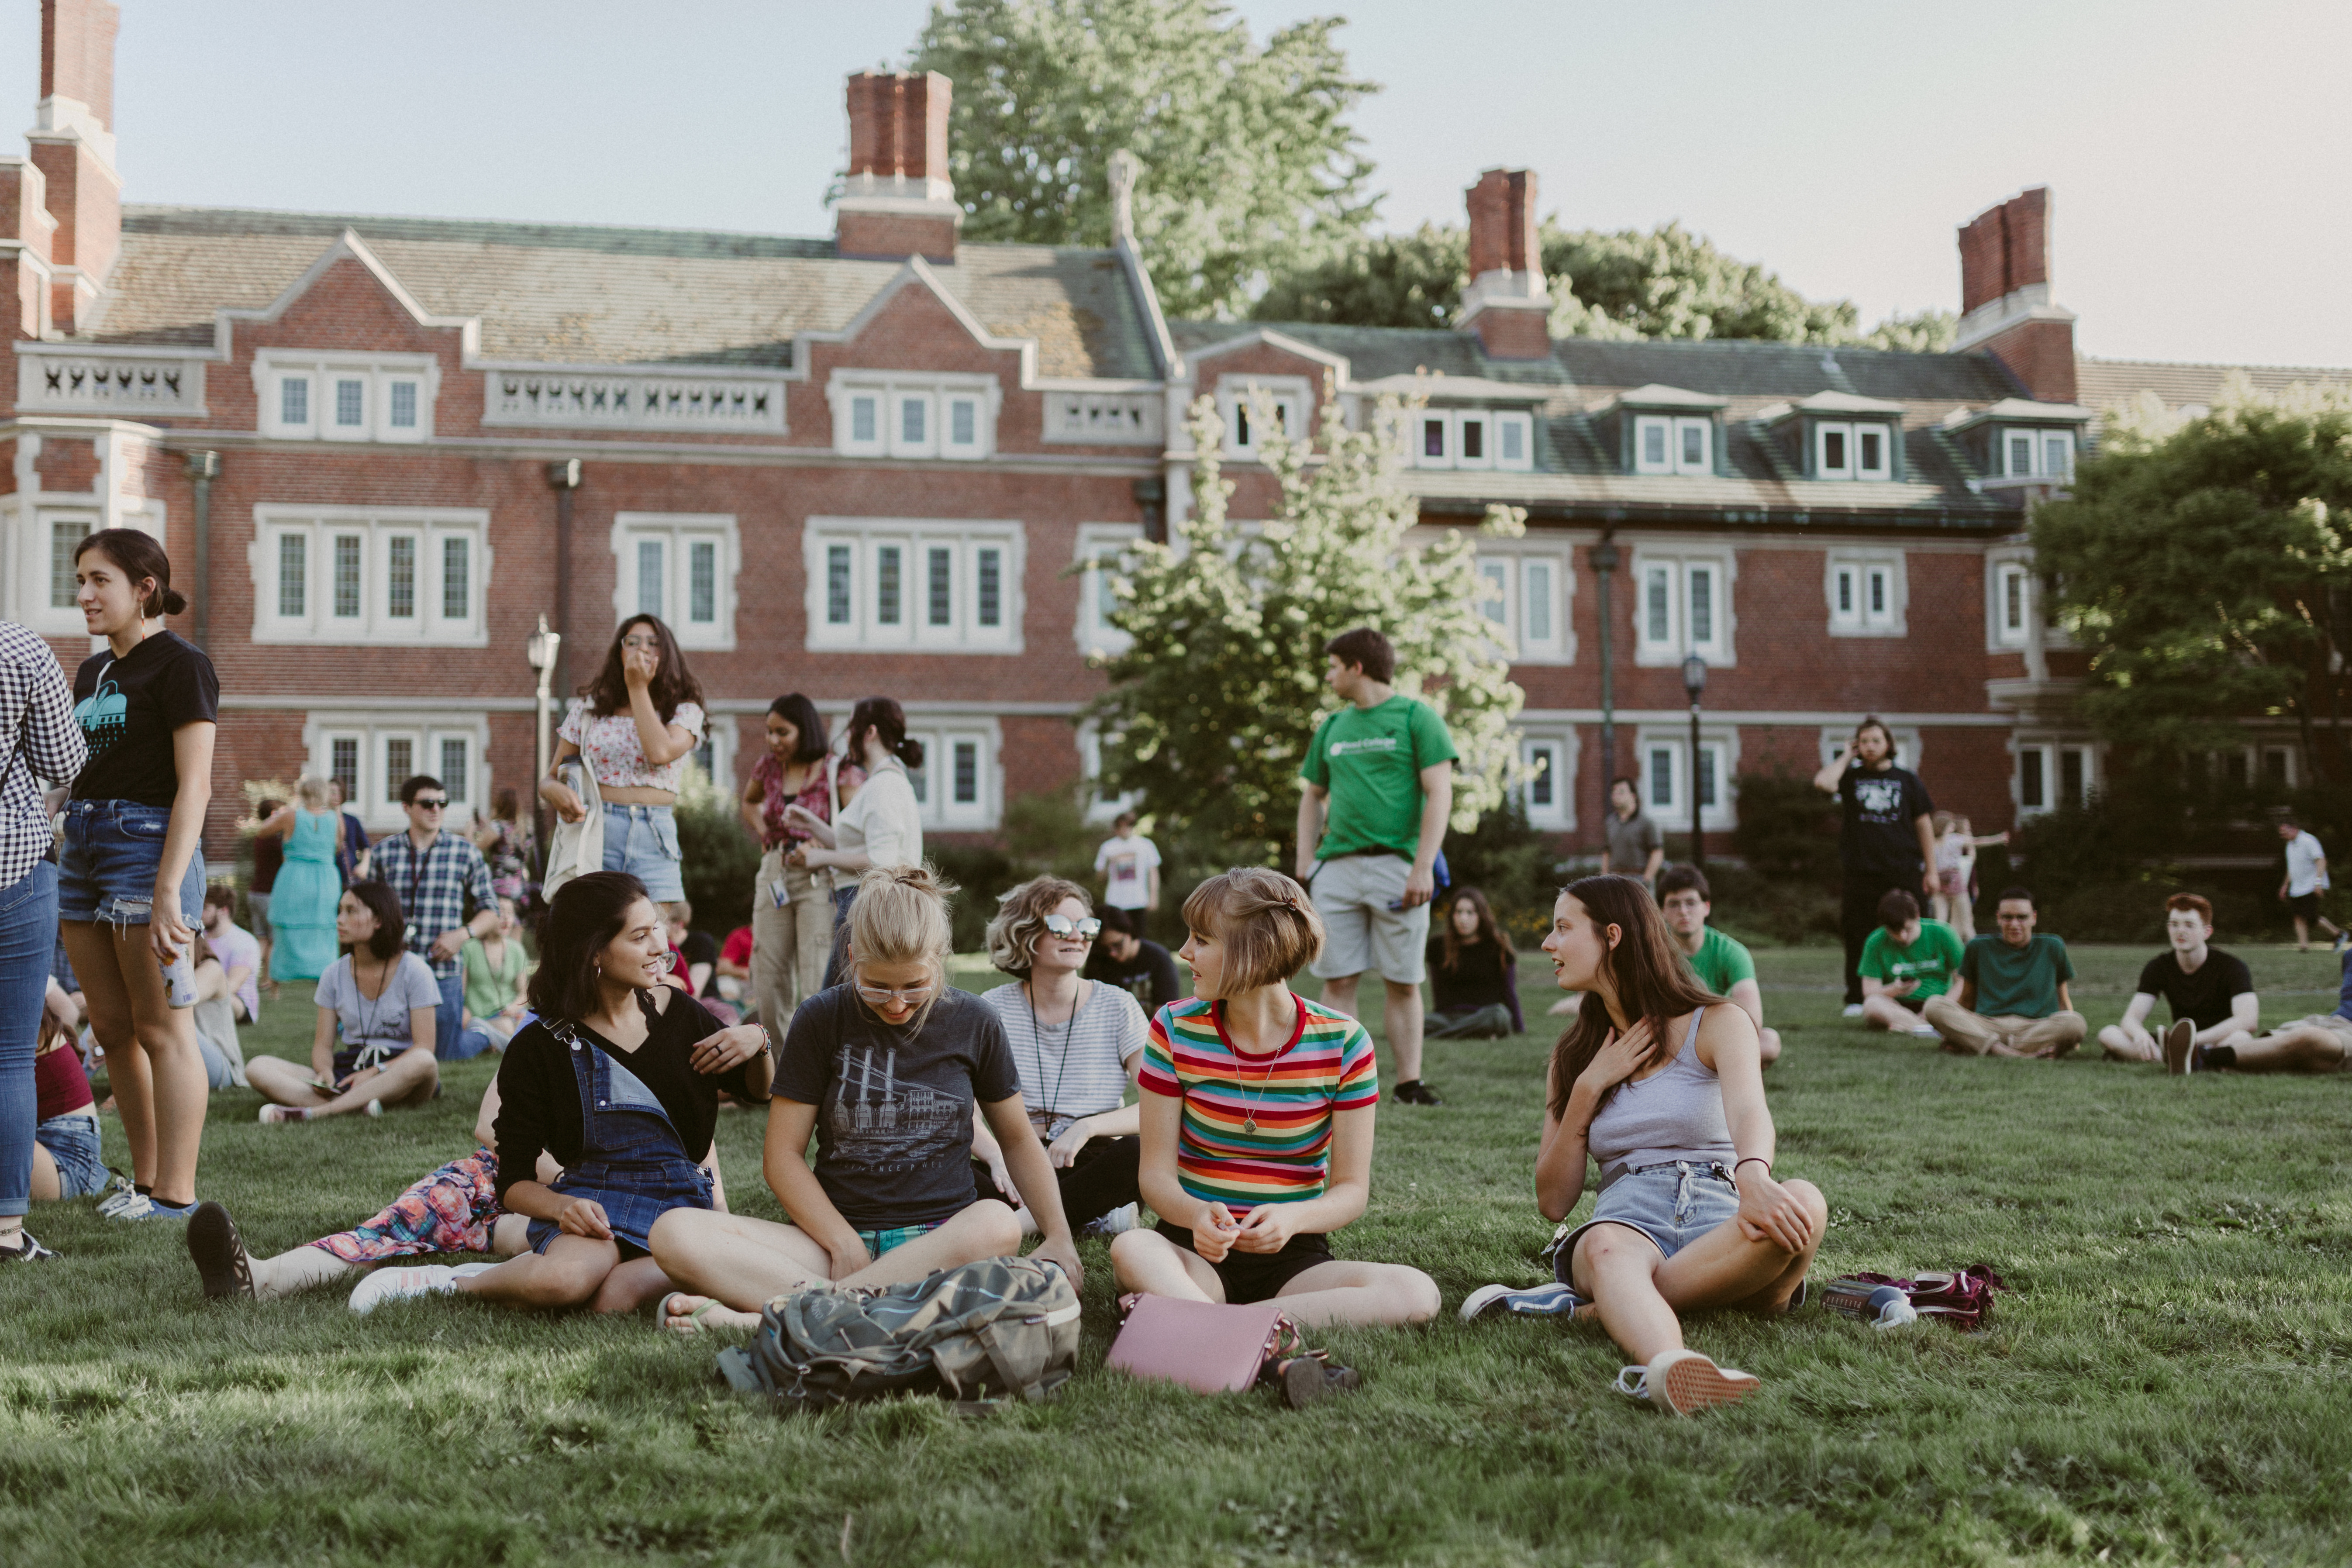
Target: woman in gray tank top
x=1660 y=1085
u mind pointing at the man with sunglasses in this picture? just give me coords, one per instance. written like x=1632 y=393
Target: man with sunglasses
x=444 y=887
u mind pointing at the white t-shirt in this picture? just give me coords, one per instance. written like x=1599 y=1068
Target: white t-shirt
x=2303 y=856
x=883 y=818
x=1129 y=862
x=1073 y=1070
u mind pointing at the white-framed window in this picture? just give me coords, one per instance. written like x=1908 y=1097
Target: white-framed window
x=716 y=756
x=1844 y=451
x=1673 y=445
x=1514 y=441
x=1102 y=555
x=346 y=397
x=1682 y=605
x=1467 y=439
x=1908 y=746
x=2010 y=595
x=358 y=575
x=1248 y=403
x=372 y=754
x=39 y=558
x=1103 y=806
x=2045 y=455
x=1548 y=793
x=1867 y=594
x=908 y=582
x=1666 y=782
x=961 y=785
x=681 y=567
x=876 y=415
x=1524 y=596
x=2054 y=772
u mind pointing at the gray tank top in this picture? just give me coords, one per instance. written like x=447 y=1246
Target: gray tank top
x=1675 y=1113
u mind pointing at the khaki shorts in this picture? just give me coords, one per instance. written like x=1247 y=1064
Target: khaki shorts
x=2340 y=1027
x=1360 y=933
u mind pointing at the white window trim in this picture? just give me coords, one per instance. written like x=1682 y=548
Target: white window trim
x=721 y=734
x=939 y=732
x=1908 y=747
x=27 y=558
x=272 y=366
x=1999 y=637
x=1675 y=817
x=1560 y=815
x=374 y=627
x=675 y=530
x=1854 y=431
x=1099 y=811
x=1096 y=637
x=427 y=729
x=863 y=534
x=2048 y=747
x=1560 y=647
x=890 y=391
x=1721 y=650
x=1525 y=425
x=1860 y=622
x=1292 y=394
x=1674 y=428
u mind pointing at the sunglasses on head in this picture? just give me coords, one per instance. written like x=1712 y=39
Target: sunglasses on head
x=1063 y=925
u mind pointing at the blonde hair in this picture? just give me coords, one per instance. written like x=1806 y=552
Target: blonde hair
x=313 y=792
x=900 y=916
x=1021 y=919
x=1266 y=923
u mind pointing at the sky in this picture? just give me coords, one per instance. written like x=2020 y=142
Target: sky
x=2191 y=148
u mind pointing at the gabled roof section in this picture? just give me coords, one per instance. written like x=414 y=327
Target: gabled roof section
x=349 y=247
x=916 y=273
x=1658 y=395
x=2012 y=410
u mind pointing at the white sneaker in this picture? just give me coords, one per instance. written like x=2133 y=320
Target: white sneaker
x=121 y=1195
x=271 y=1115
x=393 y=1284
x=1926 y=1031
x=1112 y=1224
x=471 y=1270
x=1683 y=1381
x=1852 y=1010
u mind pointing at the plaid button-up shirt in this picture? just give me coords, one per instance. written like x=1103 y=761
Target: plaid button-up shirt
x=37 y=726
x=442 y=888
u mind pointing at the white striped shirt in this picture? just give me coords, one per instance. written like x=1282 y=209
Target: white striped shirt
x=1073 y=1070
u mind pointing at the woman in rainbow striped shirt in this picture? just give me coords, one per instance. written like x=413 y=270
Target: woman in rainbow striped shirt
x=1257 y=1125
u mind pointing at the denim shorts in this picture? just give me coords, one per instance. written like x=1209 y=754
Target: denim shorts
x=72 y=1142
x=107 y=871
x=1674 y=1206
x=643 y=841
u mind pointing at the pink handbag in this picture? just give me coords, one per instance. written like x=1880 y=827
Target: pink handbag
x=1208 y=1348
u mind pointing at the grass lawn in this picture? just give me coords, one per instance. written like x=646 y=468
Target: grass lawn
x=2168 y=1382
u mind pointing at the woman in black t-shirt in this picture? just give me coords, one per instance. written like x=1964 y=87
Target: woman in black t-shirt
x=617 y=1078
x=1474 y=976
x=130 y=881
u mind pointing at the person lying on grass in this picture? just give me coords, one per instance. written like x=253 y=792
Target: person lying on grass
x=884 y=1070
x=618 y=1077
x=1257 y=1125
x=1660 y=1086
x=373 y=1043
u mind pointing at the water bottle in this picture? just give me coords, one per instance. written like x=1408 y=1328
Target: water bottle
x=1893 y=1307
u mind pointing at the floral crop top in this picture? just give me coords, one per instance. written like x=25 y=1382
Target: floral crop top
x=613 y=753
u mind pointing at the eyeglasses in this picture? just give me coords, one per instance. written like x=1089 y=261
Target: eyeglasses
x=1063 y=925
x=429 y=803
x=885 y=995
x=641 y=642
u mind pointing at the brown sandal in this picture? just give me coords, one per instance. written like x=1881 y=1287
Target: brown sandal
x=219 y=1253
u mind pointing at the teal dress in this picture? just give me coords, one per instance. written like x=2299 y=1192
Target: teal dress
x=302 y=904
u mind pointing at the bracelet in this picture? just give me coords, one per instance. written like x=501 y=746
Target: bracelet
x=1757 y=1159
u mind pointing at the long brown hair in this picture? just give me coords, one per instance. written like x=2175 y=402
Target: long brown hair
x=1645 y=968
x=1489 y=931
x=673 y=683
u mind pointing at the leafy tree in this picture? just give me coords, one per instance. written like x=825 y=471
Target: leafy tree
x=1210 y=710
x=1248 y=158
x=2197 y=561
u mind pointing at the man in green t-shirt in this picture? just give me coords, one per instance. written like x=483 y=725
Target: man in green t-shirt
x=1722 y=964
x=1379 y=785
x=1904 y=963
x=2012 y=999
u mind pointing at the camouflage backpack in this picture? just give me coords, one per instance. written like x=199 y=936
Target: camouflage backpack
x=977 y=1334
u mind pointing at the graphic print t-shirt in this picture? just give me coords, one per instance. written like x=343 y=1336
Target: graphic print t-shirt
x=1880 y=810
x=1370 y=760
x=1126 y=862
x=2202 y=997
x=128 y=708
x=1932 y=960
x=1253 y=1130
x=894 y=1105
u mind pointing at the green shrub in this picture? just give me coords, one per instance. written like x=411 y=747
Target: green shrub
x=1787 y=830
x=1510 y=862
x=723 y=859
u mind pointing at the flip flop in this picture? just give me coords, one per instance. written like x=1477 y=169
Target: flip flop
x=665 y=1320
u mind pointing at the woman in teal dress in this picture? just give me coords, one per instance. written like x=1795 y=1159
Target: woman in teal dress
x=302 y=906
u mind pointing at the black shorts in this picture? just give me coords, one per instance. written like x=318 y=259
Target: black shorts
x=1917 y=1003
x=2304 y=906
x=1257 y=1276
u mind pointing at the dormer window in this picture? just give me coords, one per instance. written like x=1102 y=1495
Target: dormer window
x=2046 y=454
x=878 y=416
x=341 y=397
x=1469 y=439
x=1673 y=445
x=1843 y=451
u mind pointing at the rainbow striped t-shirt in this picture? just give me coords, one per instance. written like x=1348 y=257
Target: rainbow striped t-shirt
x=1327 y=1067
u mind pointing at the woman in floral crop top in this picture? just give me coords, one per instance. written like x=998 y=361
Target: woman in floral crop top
x=792 y=904
x=634 y=724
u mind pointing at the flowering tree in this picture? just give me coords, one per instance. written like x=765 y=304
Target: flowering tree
x=1211 y=708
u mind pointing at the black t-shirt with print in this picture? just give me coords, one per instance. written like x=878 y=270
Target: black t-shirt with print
x=128 y=708
x=1881 y=811
x=2202 y=997
x=1148 y=975
x=893 y=1106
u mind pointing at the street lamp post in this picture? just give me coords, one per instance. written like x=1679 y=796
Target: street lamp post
x=541 y=651
x=1605 y=563
x=1695 y=683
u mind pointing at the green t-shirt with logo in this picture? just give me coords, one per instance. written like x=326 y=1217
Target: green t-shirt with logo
x=1370 y=760
x=1721 y=962
x=1933 y=959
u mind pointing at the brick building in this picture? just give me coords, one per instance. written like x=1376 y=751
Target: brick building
x=886 y=461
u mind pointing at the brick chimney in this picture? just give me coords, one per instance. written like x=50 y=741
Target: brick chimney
x=2005 y=304
x=73 y=145
x=898 y=201
x=1506 y=304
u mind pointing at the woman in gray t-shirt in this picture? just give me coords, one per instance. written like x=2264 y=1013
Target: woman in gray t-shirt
x=374 y=1045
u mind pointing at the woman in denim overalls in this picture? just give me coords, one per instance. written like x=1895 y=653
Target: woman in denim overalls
x=618 y=1077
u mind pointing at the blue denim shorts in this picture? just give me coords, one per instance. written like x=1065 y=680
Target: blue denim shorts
x=643 y=841
x=72 y=1142
x=107 y=871
x=1674 y=1206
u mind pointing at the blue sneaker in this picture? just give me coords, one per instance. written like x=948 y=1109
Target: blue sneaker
x=1535 y=1302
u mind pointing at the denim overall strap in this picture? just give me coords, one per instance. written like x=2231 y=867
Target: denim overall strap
x=633 y=1160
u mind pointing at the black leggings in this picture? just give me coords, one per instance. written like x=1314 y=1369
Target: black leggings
x=1859 y=917
x=1104 y=1179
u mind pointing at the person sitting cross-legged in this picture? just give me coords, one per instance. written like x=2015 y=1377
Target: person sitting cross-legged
x=1906 y=961
x=2211 y=993
x=1659 y=1084
x=2013 y=999
x=374 y=1044
x=2321 y=1042
x=1722 y=964
x=884 y=1070
x=1474 y=976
